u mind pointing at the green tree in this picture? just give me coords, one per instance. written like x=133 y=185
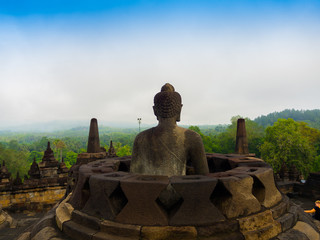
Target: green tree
x=209 y=144
x=225 y=142
x=124 y=151
x=290 y=143
x=35 y=154
x=59 y=145
x=15 y=160
x=70 y=159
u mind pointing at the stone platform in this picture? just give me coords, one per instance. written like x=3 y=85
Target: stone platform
x=241 y=202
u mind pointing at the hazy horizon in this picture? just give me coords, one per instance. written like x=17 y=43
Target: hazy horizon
x=57 y=125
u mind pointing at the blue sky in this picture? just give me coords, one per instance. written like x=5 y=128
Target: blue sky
x=74 y=60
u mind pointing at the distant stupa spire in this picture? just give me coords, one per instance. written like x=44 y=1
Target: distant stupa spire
x=241 y=140
x=93 y=140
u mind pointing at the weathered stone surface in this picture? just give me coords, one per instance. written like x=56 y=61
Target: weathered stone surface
x=241 y=138
x=196 y=207
x=219 y=227
x=264 y=187
x=245 y=161
x=93 y=139
x=309 y=231
x=24 y=236
x=166 y=148
x=81 y=192
x=84 y=158
x=142 y=192
x=168 y=232
x=225 y=230
x=5 y=219
x=77 y=231
x=105 y=189
x=49 y=165
x=46 y=221
x=224 y=236
x=111 y=152
x=107 y=236
x=121 y=230
x=233 y=196
x=46 y=233
x=293 y=209
x=86 y=220
x=292 y=234
x=287 y=221
x=35 y=199
x=259 y=226
x=34 y=171
x=63 y=212
x=4 y=176
x=280 y=209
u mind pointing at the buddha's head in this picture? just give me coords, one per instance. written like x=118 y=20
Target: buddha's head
x=167 y=103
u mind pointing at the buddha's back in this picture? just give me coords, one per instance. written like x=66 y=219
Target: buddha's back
x=165 y=149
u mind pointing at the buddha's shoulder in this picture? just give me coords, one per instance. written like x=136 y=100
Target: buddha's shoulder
x=192 y=134
x=145 y=133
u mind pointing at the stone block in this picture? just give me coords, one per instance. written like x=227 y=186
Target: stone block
x=233 y=196
x=105 y=189
x=196 y=207
x=287 y=221
x=219 y=227
x=81 y=191
x=46 y=233
x=309 y=231
x=107 y=236
x=120 y=229
x=292 y=234
x=46 y=221
x=142 y=192
x=24 y=236
x=264 y=187
x=259 y=226
x=224 y=230
x=279 y=210
x=86 y=220
x=77 y=231
x=264 y=233
x=168 y=232
x=63 y=212
x=293 y=209
x=224 y=236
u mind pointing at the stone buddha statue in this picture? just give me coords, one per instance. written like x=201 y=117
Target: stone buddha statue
x=166 y=148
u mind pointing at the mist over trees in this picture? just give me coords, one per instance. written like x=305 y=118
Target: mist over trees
x=278 y=141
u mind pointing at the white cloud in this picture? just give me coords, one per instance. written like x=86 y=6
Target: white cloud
x=52 y=74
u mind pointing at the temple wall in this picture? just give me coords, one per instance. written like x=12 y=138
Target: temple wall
x=35 y=199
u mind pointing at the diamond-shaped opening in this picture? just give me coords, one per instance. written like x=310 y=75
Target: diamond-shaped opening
x=258 y=189
x=123 y=166
x=118 y=200
x=219 y=195
x=169 y=200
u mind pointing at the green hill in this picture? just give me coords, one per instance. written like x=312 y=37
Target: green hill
x=312 y=117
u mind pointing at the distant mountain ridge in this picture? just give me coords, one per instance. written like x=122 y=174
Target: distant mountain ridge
x=312 y=117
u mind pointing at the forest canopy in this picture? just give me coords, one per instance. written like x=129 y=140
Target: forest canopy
x=276 y=140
